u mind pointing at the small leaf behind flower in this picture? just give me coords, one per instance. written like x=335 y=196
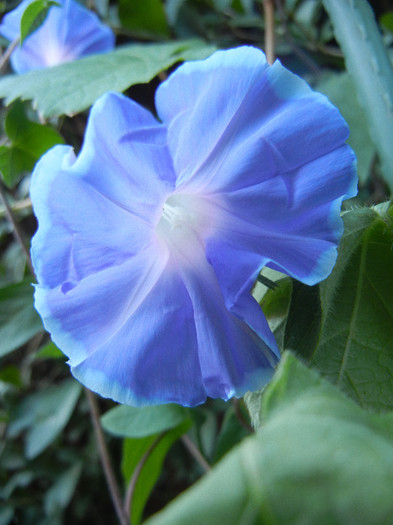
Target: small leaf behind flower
x=34 y=16
x=136 y=422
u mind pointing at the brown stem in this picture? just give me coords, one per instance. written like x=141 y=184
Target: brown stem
x=16 y=230
x=105 y=460
x=194 y=451
x=135 y=475
x=268 y=9
x=240 y=416
x=7 y=53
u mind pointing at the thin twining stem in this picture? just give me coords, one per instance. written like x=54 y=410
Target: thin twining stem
x=135 y=476
x=7 y=53
x=105 y=460
x=268 y=9
x=239 y=414
x=194 y=451
x=16 y=230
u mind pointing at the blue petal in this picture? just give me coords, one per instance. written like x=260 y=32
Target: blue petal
x=180 y=345
x=82 y=316
x=290 y=222
x=152 y=358
x=88 y=207
x=126 y=145
x=233 y=121
x=81 y=231
x=69 y=32
x=237 y=351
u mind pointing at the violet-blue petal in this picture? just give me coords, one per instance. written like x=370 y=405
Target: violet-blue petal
x=273 y=150
x=290 y=223
x=237 y=351
x=88 y=207
x=234 y=121
x=69 y=32
x=152 y=358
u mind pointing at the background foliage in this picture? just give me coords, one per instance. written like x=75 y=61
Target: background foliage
x=323 y=450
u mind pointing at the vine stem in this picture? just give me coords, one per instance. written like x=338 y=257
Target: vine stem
x=18 y=234
x=194 y=451
x=7 y=53
x=268 y=9
x=105 y=460
x=240 y=416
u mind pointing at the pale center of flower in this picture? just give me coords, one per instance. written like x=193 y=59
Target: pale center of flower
x=184 y=223
x=55 y=54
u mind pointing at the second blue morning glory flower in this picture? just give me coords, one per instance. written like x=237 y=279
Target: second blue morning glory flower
x=70 y=31
x=150 y=241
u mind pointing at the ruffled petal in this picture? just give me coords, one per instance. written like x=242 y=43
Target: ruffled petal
x=237 y=351
x=153 y=357
x=290 y=223
x=100 y=209
x=233 y=121
x=124 y=142
x=81 y=316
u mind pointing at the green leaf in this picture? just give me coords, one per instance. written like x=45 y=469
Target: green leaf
x=319 y=459
x=345 y=328
x=303 y=322
x=136 y=422
x=30 y=137
x=73 y=87
x=14 y=162
x=49 y=351
x=275 y=306
x=18 y=319
x=133 y=452
x=368 y=62
x=11 y=375
x=45 y=414
x=29 y=141
x=33 y=17
x=387 y=21
x=340 y=89
x=231 y=433
x=355 y=347
x=144 y=18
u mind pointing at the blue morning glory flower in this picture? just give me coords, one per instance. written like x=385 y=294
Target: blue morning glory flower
x=69 y=32
x=150 y=241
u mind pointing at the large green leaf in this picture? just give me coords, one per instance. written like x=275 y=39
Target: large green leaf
x=355 y=348
x=136 y=422
x=319 y=459
x=18 y=319
x=73 y=87
x=345 y=329
x=368 y=62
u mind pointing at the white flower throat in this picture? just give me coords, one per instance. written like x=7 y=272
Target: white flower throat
x=176 y=216
x=185 y=222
